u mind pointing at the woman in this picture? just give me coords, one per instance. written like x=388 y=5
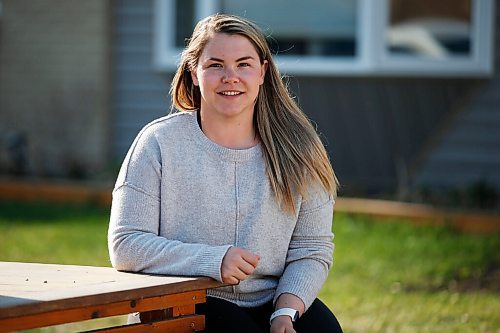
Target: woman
x=237 y=186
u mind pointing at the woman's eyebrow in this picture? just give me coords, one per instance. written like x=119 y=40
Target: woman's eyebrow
x=215 y=59
x=245 y=58
x=237 y=60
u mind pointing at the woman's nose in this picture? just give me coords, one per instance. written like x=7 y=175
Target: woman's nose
x=230 y=75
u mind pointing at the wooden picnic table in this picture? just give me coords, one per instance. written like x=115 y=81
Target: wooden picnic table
x=37 y=295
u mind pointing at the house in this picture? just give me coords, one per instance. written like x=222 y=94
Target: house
x=405 y=94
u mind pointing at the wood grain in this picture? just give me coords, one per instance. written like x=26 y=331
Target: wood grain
x=36 y=295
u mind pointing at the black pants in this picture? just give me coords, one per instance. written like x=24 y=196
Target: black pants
x=223 y=316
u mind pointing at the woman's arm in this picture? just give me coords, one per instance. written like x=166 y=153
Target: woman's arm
x=134 y=239
x=135 y=244
x=310 y=251
x=290 y=301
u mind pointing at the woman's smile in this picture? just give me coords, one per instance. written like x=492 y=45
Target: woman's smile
x=230 y=93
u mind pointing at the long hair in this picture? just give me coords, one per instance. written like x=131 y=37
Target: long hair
x=294 y=154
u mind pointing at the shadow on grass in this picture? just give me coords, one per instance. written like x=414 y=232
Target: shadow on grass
x=486 y=280
x=43 y=211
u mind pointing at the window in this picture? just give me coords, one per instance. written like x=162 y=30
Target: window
x=348 y=37
x=328 y=30
x=429 y=29
x=427 y=37
x=174 y=21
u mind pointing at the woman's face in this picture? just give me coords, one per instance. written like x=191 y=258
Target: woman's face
x=229 y=74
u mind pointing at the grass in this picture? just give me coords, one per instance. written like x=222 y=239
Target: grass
x=64 y=234
x=387 y=277
x=396 y=277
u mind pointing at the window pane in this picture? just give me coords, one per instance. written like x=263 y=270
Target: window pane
x=297 y=27
x=429 y=28
x=184 y=21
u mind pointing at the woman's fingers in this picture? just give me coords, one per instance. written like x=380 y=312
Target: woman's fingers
x=246 y=268
x=237 y=265
x=239 y=273
x=231 y=280
x=250 y=258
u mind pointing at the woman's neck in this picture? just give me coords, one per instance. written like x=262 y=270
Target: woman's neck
x=230 y=133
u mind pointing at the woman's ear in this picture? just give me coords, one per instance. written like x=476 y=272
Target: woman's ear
x=194 y=76
x=263 y=71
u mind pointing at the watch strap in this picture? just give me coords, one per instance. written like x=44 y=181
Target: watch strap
x=292 y=313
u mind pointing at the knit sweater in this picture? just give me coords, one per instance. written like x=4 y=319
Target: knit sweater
x=181 y=201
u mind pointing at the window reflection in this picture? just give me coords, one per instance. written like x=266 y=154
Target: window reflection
x=184 y=21
x=429 y=28
x=306 y=28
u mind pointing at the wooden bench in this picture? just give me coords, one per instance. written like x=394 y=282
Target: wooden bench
x=38 y=295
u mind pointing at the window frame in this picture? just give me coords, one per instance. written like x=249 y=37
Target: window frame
x=372 y=57
x=166 y=54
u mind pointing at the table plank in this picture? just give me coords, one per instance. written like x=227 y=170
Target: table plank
x=186 y=324
x=31 y=288
x=185 y=301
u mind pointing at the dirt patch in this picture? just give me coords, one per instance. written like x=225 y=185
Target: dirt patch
x=486 y=281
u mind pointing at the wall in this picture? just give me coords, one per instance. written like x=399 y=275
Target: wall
x=375 y=128
x=140 y=93
x=54 y=87
x=464 y=152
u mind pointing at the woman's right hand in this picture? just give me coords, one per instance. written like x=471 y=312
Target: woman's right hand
x=237 y=265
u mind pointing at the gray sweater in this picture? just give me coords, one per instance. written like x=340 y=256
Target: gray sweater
x=181 y=201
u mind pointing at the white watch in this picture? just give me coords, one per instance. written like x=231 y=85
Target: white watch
x=292 y=313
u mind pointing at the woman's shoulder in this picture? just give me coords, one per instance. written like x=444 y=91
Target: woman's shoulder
x=172 y=125
x=316 y=197
x=163 y=131
x=171 y=122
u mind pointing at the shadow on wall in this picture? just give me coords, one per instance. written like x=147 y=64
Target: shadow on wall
x=17 y=161
x=16 y=153
x=477 y=195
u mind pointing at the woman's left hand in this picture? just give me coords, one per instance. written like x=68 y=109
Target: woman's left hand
x=282 y=324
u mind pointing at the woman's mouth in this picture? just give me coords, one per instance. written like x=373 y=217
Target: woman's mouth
x=230 y=93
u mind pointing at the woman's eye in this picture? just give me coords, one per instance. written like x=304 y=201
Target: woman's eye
x=215 y=65
x=244 y=64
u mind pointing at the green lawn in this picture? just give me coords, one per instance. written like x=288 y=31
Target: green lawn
x=396 y=277
x=387 y=277
x=64 y=234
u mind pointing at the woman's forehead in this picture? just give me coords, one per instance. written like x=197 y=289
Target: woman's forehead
x=222 y=45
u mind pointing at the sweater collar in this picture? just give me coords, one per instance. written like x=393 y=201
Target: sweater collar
x=235 y=155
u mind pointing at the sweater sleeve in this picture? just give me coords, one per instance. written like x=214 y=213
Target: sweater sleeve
x=310 y=253
x=134 y=242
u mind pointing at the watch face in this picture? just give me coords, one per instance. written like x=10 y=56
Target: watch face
x=296 y=316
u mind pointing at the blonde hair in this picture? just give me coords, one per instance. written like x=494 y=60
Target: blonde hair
x=293 y=152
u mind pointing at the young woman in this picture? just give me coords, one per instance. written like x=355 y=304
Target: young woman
x=236 y=186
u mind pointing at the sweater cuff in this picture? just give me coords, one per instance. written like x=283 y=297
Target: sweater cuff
x=297 y=281
x=209 y=263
